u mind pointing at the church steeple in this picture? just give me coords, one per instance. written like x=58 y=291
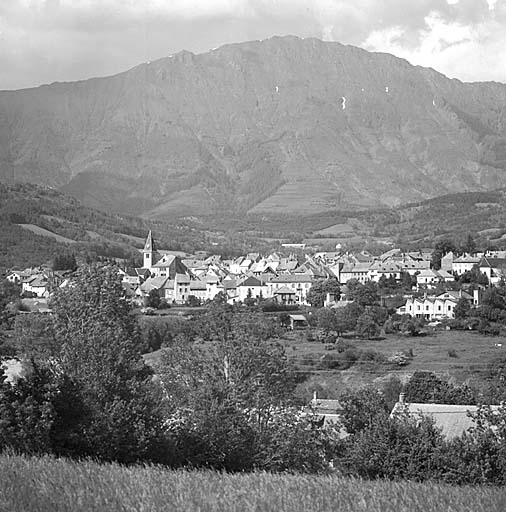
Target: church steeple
x=149 y=251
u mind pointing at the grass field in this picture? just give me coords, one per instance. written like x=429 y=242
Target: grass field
x=51 y=485
x=474 y=353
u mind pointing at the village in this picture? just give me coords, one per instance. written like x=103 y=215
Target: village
x=178 y=279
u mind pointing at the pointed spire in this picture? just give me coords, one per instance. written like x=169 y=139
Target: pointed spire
x=149 y=246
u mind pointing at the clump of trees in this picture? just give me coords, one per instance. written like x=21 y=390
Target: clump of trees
x=64 y=261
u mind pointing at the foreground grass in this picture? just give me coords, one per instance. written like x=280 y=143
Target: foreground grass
x=46 y=484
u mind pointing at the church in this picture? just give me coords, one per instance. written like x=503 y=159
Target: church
x=161 y=263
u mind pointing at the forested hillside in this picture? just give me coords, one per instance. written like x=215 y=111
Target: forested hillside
x=36 y=222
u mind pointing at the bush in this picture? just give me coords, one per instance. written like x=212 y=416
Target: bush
x=399 y=359
x=452 y=353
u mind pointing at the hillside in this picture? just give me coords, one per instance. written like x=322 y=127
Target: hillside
x=37 y=222
x=283 y=126
x=35 y=484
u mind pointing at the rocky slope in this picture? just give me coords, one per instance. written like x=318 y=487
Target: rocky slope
x=283 y=125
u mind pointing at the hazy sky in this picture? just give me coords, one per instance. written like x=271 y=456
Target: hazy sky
x=43 y=41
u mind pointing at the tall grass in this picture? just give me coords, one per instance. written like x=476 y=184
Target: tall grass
x=47 y=484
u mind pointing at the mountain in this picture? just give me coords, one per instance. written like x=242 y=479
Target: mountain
x=281 y=126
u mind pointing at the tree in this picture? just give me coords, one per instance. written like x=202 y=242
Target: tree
x=317 y=294
x=64 y=261
x=427 y=387
x=462 y=308
x=361 y=409
x=41 y=413
x=367 y=326
x=100 y=351
x=35 y=337
x=326 y=320
x=440 y=249
x=363 y=294
x=229 y=404
x=395 y=448
x=469 y=245
x=153 y=299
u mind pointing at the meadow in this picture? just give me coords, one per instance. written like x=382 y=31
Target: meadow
x=50 y=485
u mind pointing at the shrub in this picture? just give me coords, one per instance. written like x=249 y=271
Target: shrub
x=399 y=358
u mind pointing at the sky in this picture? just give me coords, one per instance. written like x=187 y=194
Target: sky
x=43 y=41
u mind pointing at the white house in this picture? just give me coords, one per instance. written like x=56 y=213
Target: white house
x=433 y=307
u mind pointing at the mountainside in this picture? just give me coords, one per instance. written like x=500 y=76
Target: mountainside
x=280 y=126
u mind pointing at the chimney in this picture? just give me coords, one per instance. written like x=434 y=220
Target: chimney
x=402 y=398
x=315 y=397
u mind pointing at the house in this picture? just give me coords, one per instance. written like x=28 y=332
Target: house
x=251 y=287
x=285 y=295
x=198 y=289
x=37 y=284
x=384 y=269
x=447 y=261
x=433 y=307
x=300 y=283
x=358 y=271
x=430 y=278
x=328 y=409
x=413 y=266
x=150 y=284
x=493 y=268
x=453 y=420
x=464 y=263
x=177 y=290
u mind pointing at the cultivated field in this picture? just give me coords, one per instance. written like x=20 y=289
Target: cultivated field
x=50 y=485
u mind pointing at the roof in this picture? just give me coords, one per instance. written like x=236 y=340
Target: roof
x=284 y=290
x=251 y=281
x=149 y=246
x=465 y=258
x=291 y=278
x=452 y=419
x=153 y=283
x=326 y=406
x=492 y=262
x=454 y=295
x=165 y=261
x=197 y=285
x=298 y=318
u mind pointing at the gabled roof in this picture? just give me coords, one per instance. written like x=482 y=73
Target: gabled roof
x=251 y=281
x=153 y=283
x=454 y=295
x=291 y=278
x=492 y=262
x=452 y=419
x=466 y=258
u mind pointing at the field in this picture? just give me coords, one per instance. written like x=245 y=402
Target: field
x=51 y=485
x=473 y=353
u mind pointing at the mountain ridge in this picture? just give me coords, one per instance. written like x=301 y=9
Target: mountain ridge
x=282 y=125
